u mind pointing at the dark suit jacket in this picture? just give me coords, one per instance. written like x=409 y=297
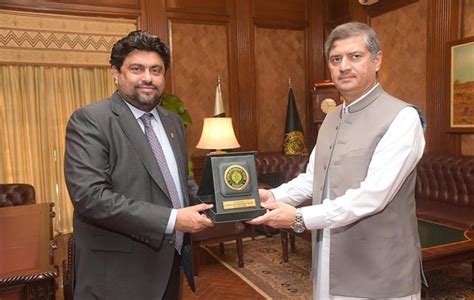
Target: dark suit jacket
x=121 y=204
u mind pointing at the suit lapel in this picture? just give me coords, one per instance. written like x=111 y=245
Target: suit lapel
x=132 y=130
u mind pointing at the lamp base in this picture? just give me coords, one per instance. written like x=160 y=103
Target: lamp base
x=217 y=151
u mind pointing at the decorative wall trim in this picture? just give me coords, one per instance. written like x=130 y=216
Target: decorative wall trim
x=47 y=39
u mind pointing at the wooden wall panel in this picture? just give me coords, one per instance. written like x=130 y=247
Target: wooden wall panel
x=443 y=27
x=282 y=13
x=245 y=107
x=153 y=19
x=109 y=3
x=279 y=54
x=199 y=55
x=402 y=35
x=317 y=67
x=468 y=18
x=467 y=142
x=212 y=7
x=72 y=3
x=386 y=6
x=467 y=146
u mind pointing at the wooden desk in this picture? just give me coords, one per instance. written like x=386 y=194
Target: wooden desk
x=26 y=266
x=444 y=245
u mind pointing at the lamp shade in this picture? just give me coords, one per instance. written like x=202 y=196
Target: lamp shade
x=217 y=133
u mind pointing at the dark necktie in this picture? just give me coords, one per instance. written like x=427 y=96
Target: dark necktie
x=161 y=159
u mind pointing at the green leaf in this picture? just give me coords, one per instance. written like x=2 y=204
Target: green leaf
x=174 y=104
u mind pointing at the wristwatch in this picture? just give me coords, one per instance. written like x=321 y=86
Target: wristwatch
x=298 y=225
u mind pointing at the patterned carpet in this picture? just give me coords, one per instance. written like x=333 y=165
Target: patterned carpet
x=266 y=272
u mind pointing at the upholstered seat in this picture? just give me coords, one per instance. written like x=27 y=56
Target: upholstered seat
x=275 y=168
x=445 y=190
x=13 y=194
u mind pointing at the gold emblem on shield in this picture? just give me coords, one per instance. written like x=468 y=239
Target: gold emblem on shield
x=236 y=177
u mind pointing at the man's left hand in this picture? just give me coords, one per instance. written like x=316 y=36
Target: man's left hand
x=278 y=215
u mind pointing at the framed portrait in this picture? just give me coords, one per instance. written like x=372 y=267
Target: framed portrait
x=461 y=85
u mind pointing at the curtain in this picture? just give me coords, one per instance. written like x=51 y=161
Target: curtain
x=35 y=105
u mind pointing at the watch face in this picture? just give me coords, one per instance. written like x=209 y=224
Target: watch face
x=327 y=105
x=298 y=228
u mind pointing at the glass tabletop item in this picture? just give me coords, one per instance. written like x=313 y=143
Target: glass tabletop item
x=433 y=235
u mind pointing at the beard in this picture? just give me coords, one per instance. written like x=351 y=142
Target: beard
x=144 y=96
x=152 y=99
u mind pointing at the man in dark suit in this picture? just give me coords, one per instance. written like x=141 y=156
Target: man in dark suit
x=126 y=173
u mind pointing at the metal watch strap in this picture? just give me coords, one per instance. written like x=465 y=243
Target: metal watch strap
x=298 y=225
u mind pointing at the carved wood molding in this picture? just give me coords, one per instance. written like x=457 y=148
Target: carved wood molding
x=386 y=6
x=46 y=39
x=28 y=278
x=105 y=8
x=208 y=7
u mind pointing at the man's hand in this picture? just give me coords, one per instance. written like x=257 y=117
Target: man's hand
x=266 y=196
x=190 y=219
x=279 y=215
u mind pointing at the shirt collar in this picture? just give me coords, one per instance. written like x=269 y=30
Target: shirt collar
x=346 y=107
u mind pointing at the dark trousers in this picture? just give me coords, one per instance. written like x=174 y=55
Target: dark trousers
x=174 y=288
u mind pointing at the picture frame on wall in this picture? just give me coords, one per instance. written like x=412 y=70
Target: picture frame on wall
x=461 y=85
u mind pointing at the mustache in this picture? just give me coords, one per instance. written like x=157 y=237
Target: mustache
x=147 y=86
x=345 y=75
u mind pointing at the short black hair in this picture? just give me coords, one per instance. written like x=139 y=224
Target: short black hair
x=138 y=40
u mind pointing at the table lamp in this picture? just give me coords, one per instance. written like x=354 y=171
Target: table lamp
x=217 y=134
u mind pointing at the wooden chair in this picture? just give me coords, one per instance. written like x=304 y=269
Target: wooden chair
x=289 y=235
x=220 y=233
x=68 y=271
x=27 y=245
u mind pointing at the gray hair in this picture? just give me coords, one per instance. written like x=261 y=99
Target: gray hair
x=353 y=29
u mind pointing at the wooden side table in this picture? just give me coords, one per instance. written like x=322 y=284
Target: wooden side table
x=26 y=244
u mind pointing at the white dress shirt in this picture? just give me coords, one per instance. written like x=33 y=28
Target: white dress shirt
x=395 y=157
x=169 y=155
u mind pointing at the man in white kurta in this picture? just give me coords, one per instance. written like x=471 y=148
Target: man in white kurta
x=354 y=64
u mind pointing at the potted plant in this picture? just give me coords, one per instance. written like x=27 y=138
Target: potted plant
x=174 y=104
